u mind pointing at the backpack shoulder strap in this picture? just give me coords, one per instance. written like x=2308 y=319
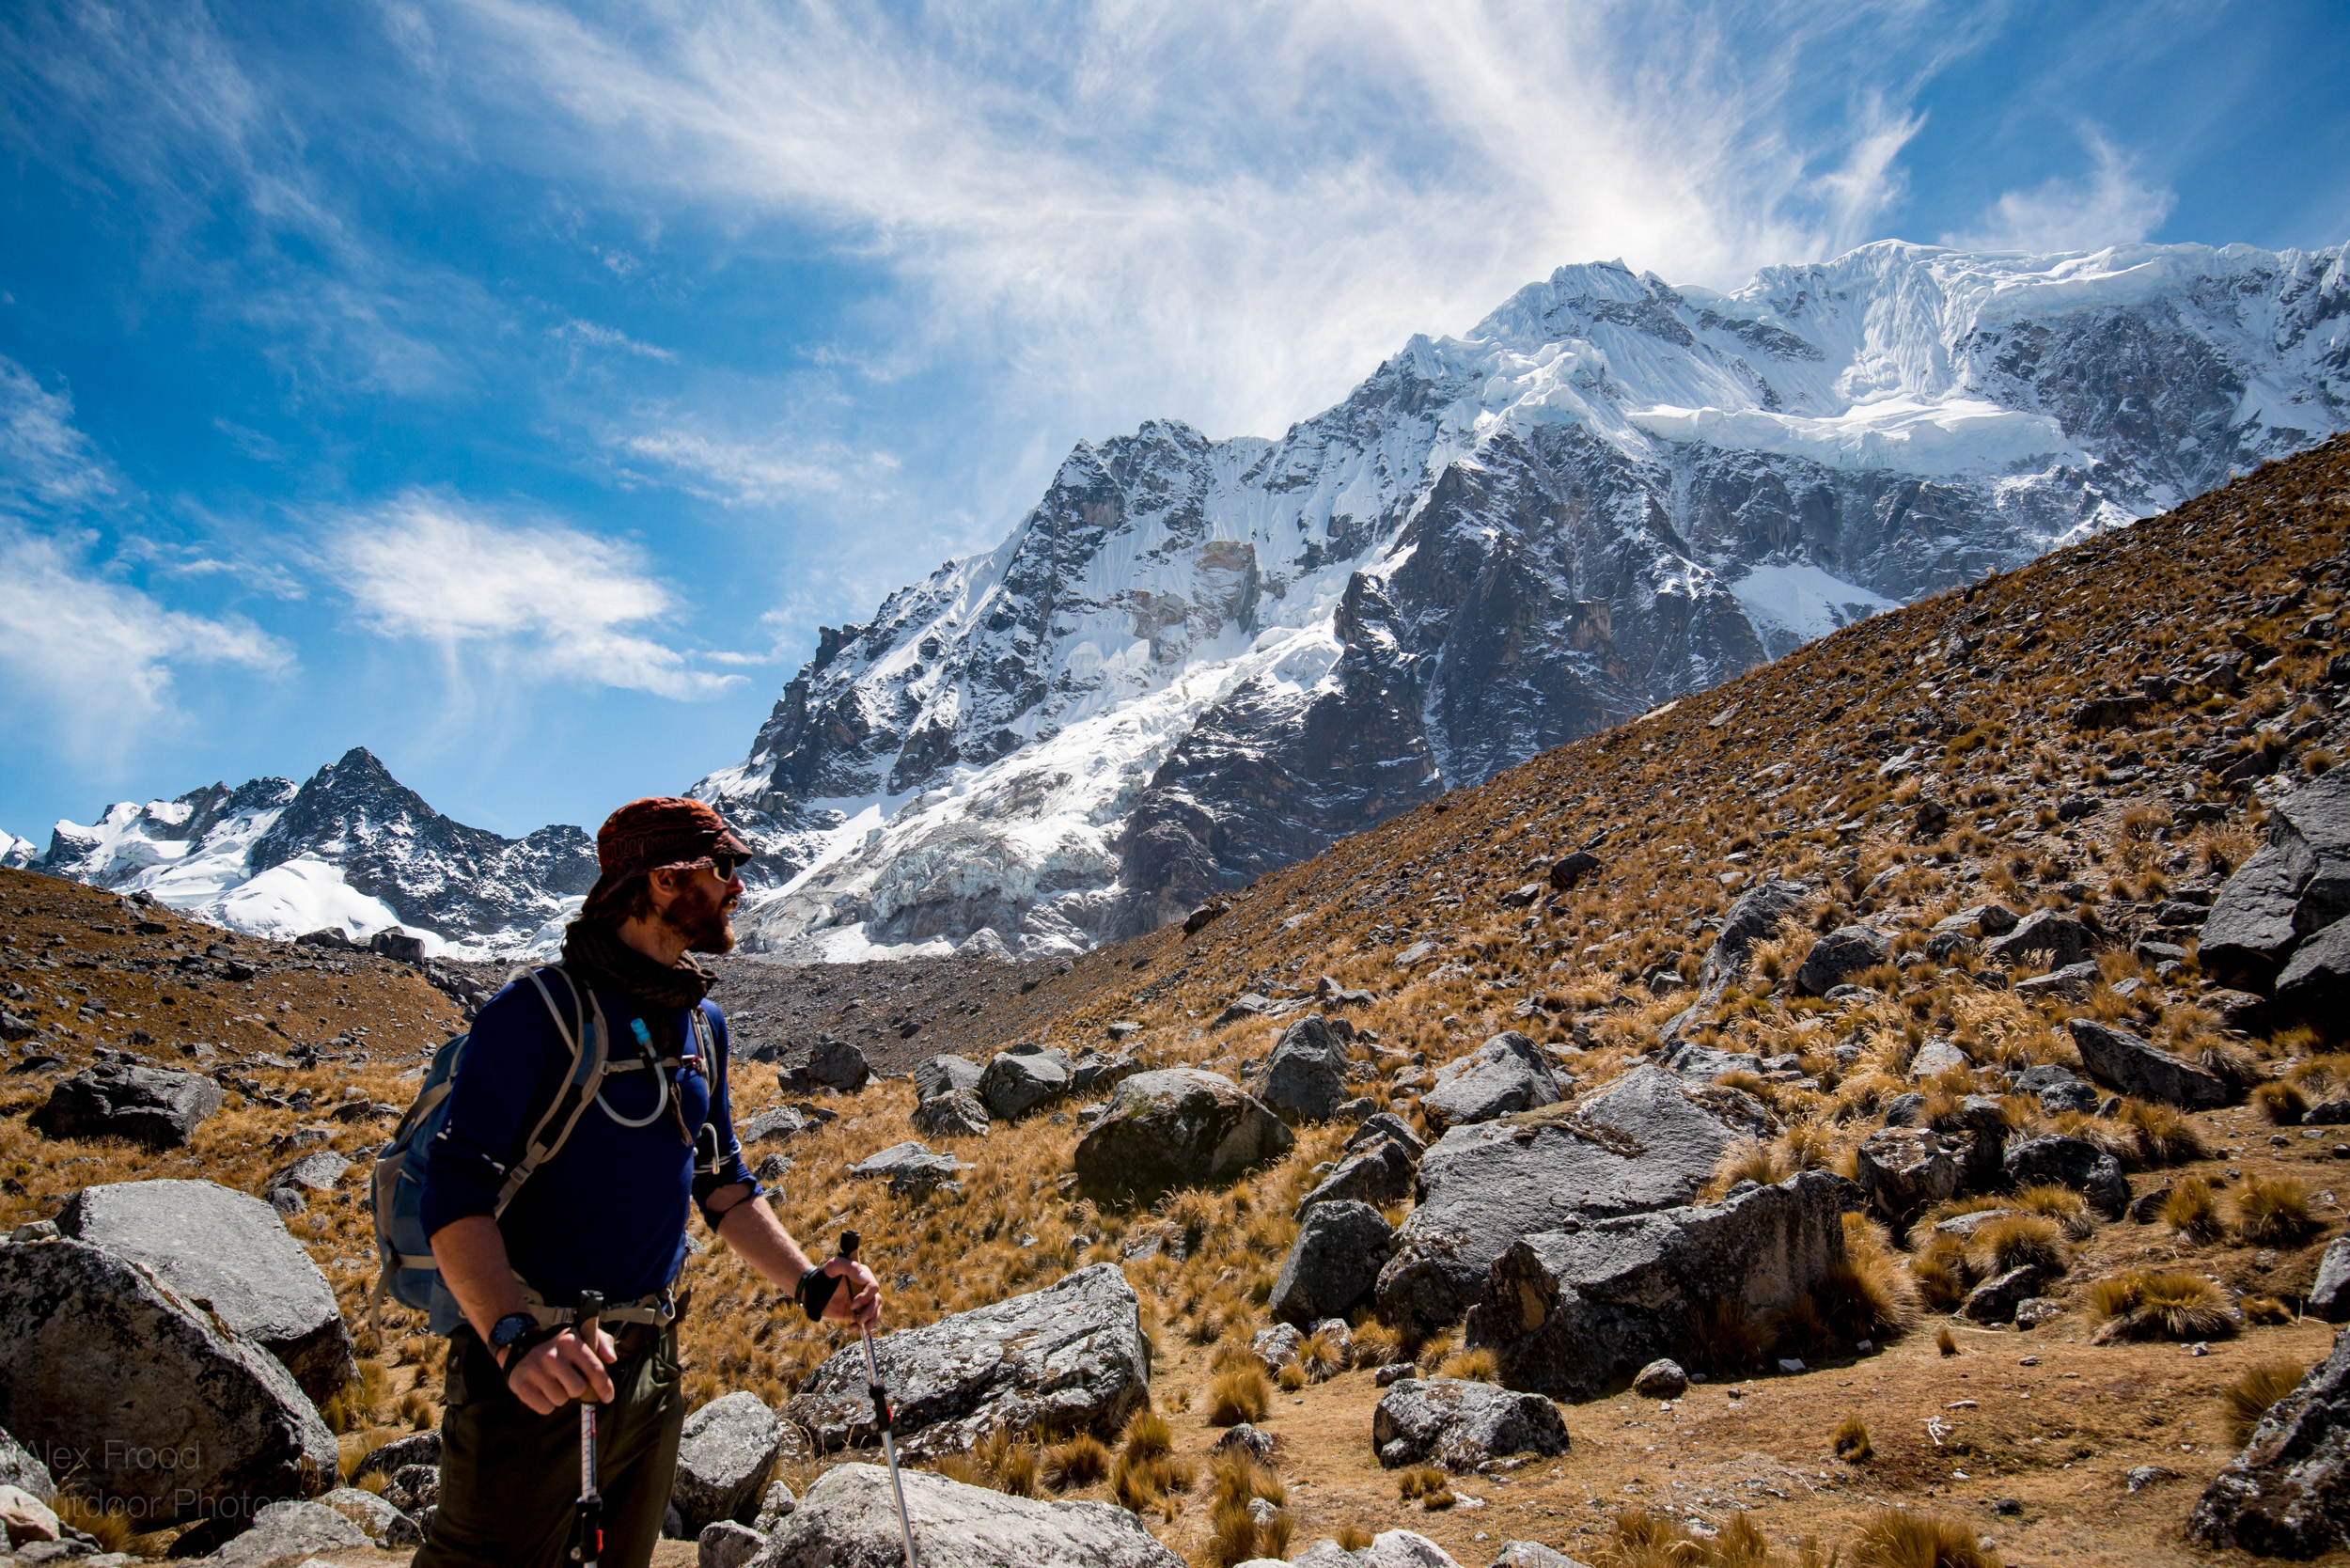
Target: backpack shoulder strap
x=591 y=1048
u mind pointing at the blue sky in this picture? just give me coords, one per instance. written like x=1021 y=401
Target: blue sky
x=513 y=389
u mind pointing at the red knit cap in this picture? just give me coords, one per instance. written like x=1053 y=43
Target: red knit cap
x=661 y=832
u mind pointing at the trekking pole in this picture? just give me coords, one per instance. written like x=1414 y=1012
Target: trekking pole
x=881 y=1412
x=583 y=1318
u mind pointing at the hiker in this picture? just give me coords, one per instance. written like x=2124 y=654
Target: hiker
x=605 y=1212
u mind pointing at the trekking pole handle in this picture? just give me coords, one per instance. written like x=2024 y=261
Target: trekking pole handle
x=585 y=1316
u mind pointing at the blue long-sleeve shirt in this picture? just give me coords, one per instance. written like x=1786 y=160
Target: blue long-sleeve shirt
x=608 y=1211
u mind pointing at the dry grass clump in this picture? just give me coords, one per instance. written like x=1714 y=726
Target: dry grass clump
x=1375 y=1343
x=2262 y=1385
x=1869 y=1296
x=1725 y=1339
x=109 y=1524
x=2266 y=1310
x=2162 y=1135
x=1238 y=1394
x=1477 y=1366
x=1850 y=1440
x=1147 y=1477
x=2068 y=1208
x=1946 y=1341
x=1426 y=1485
x=1235 y=1533
x=2158 y=1303
x=2282 y=1102
x=2272 y=1211
x=1000 y=1460
x=1321 y=1357
x=2192 y=1211
x=1353 y=1538
x=1080 y=1462
x=1645 y=1539
x=1904 y=1537
x=2015 y=1241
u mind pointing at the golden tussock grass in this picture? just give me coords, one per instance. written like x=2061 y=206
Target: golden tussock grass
x=1850 y=1440
x=2189 y=1209
x=1236 y=1395
x=2259 y=1386
x=1353 y=1538
x=1477 y=1366
x=2282 y=1102
x=1907 y=1538
x=1426 y=1485
x=2272 y=1211
x=2015 y=1241
x=2158 y=1303
x=1946 y=1341
x=1645 y=1539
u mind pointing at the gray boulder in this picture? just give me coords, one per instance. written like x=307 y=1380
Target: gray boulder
x=422 y=1447
x=943 y=1074
x=2121 y=1059
x=288 y=1531
x=150 y=1105
x=1980 y=919
x=1509 y=1072
x=1176 y=1126
x=2071 y=1162
x=1755 y=917
x=1379 y=1174
x=2288 y=1492
x=849 y=1519
x=1306 y=1080
x=222 y=1247
x=18 y=1467
x=377 y=1520
x=2072 y=983
x=1570 y=1311
x=1699 y=1065
x=1022 y=1078
x=1661 y=1379
x=1334 y=1264
x=2315 y=985
x=1067 y=1357
x=1996 y=1299
x=2296 y=885
x=2047 y=938
x=1095 y=1070
x=1390 y=1548
x=1935 y=1058
x=779 y=1125
x=1904 y=1170
x=723 y=1460
x=322 y=1172
x=726 y=1544
x=1839 y=955
x=1388 y=1125
x=94 y=1349
x=1531 y=1554
x=837 y=1064
x=1644 y=1142
x=907 y=1167
x=957 y=1113
x=1460 y=1425
x=2057 y=1088
x=2329 y=1297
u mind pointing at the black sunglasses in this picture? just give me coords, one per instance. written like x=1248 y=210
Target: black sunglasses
x=727 y=864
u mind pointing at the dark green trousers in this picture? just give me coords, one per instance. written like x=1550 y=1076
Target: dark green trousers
x=510 y=1479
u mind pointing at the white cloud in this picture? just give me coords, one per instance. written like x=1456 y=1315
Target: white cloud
x=97 y=659
x=2110 y=208
x=578 y=331
x=45 y=461
x=754 y=472
x=545 y=602
x=1225 y=210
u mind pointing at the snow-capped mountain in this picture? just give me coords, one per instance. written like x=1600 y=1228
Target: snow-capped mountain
x=1195 y=660
x=353 y=849
x=1198 y=660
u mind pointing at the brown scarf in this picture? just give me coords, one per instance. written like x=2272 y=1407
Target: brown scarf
x=594 y=952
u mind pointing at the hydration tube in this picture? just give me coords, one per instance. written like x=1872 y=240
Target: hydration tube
x=660 y=1081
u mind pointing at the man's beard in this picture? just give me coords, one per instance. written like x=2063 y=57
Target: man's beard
x=700 y=917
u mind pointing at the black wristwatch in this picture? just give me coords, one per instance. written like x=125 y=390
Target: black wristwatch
x=510 y=1328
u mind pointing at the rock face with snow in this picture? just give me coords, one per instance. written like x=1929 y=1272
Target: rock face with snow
x=352 y=848
x=1194 y=661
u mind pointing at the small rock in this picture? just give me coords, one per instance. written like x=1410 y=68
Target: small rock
x=2142 y=1476
x=1461 y=1425
x=726 y=1544
x=1247 y=1439
x=1393 y=1373
x=1661 y=1379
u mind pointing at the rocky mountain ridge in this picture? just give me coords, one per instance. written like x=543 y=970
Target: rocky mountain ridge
x=1195 y=660
x=350 y=849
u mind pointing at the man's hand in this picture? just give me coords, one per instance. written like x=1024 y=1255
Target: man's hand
x=556 y=1372
x=861 y=1301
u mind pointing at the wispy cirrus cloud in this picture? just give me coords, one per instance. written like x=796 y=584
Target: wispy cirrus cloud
x=1226 y=212
x=534 y=600
x=2112 y=206
x=85 y=655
